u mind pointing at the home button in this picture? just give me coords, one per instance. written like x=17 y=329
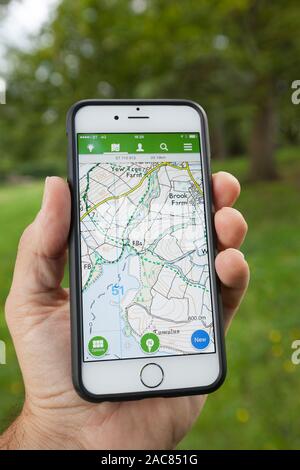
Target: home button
x=152 y=375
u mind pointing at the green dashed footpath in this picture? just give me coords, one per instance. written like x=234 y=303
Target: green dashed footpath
x=121 y=244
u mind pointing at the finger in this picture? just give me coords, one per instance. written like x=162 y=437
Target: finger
x=42 y=248
x=226 y=189
x=233 y=272
x=231 y=228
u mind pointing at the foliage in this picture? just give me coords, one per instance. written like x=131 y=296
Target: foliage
x=231 y=56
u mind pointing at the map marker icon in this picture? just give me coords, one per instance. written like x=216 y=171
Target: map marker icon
x=149 y=344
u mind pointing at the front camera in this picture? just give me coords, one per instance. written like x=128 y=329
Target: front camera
x=116 y=118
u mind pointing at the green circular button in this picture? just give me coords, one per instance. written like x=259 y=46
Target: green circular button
x=98 y=346
x=150 y=343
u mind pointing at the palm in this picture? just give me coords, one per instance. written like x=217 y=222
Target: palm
x=91 y=424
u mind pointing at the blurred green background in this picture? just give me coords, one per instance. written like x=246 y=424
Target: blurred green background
x=238 y=58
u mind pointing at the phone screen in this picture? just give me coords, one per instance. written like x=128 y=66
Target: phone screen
x=144 y=255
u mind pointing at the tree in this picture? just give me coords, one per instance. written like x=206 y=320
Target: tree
x=232 y=56
x=264 y=45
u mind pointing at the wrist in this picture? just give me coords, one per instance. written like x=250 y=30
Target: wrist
x=33 y=432
x=15 y=436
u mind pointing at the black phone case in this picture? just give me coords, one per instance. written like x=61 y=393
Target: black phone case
x=74 y=257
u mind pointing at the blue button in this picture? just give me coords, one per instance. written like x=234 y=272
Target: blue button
x=200 y=339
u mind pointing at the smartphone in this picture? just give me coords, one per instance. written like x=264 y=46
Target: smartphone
x=145 y=303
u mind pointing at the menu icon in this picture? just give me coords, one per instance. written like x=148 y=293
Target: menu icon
x=188 y=146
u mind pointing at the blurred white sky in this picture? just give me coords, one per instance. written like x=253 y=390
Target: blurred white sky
x=23 y=18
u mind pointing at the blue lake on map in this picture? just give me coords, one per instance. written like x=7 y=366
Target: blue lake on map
x=102 y=312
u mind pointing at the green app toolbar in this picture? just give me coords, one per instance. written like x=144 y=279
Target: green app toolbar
x=138 y=143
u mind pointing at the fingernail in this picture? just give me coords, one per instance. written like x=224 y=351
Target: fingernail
x=45 y=195
x=239 y=252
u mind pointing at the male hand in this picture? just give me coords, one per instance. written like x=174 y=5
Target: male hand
x=37 y=312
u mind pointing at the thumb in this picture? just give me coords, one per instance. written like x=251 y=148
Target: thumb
x=41 y=254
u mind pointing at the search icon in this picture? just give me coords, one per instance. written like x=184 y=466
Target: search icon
x=163 y=146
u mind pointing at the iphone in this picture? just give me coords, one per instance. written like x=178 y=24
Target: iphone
x=145 y=303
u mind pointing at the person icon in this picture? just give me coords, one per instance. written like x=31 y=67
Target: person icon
x=140 y=148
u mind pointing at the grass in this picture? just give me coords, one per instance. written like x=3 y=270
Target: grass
x=257 y=407
x=18 y=204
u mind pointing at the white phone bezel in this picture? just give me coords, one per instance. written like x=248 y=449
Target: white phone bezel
x=120 y=377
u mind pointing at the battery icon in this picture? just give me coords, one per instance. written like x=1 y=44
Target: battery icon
x=192 y=136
